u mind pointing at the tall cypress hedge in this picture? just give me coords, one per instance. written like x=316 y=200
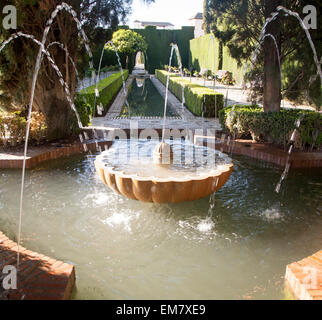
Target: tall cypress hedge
x=159 y=45
x=158 y=52
x=203 y=55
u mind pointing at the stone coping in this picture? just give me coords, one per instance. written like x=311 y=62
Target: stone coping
x=39 y=277
x=259 y=151
x=264 y=152
x=15 y=161
x=304 y=277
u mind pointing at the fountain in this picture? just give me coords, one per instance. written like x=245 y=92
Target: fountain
x=189 y=172
x=160 y=172
x=162 y=177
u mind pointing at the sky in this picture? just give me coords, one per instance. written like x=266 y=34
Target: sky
x=178 y=12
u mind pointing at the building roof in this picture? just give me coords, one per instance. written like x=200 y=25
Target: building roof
x=157 y=24
x=197 y=16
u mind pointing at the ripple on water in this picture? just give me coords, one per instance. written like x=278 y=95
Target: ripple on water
x=125 y=248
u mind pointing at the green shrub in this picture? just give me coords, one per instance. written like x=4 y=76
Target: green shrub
x=162 y=75
x=187 y=72
x=196 y=97
x=276 y=127
x=227 y=79
x=108 y=87
x=13 y=128
x=159 y=45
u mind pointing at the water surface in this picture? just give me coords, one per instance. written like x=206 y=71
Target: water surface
x=145 y=100
x=125 y=249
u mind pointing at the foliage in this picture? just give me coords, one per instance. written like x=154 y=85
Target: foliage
x=206 y=74
x=187 y=72
x=158 y=51
x=238 y=25
x=277 y=127
x=127 y=42
x=198 y=99
x=174 y=69
x=17 y=60
x=227 y=79
x=108 y=87
x=159 y=41
x=204 y=53
x=200 y=59
x=13 y=128
x=206 y=17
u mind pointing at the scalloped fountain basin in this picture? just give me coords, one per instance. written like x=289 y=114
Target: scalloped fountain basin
x=196 y=172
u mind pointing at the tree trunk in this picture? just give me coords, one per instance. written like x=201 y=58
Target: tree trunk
x=51 y=101
x=205 y=17
x=272 y=82
x=50 y=96
x=127 y=62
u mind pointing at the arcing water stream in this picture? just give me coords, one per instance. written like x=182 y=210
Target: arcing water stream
x=111 y=220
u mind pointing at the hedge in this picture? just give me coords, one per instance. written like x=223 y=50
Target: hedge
x=159 y=41
x=212 y=55
x=230 y=64
x=196 y=96
x=204 y=53
x=108 y=87
x=158 y=52
x=276 y=127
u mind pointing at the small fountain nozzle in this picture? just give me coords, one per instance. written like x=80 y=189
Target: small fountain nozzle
x=163 y=154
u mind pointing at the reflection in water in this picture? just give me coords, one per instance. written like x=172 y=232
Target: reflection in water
x=145 y=100
x=128 y=249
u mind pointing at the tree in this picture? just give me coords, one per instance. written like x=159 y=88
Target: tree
x=128 y=42
x=239 y=24
x=272 y=80
x=205 y=16
x=17 y=61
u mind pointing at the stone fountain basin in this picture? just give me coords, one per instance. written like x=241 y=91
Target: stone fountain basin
x=161 y=190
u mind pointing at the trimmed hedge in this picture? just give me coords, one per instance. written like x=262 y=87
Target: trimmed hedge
x=158 y=51
x=194 y=94
x=108 y=87
x=159 y=41
x=230 y=64
x=204 y=53
x=212 y=55
x=275 y=127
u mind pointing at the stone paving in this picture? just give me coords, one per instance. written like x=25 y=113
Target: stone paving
x=238 y=94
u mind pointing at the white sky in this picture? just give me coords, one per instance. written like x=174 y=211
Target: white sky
x=178 y=12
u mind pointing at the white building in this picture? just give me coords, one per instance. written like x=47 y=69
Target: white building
x=197 y=22
x=159 y=25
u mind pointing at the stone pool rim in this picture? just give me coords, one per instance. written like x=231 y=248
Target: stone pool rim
x=260 y=151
